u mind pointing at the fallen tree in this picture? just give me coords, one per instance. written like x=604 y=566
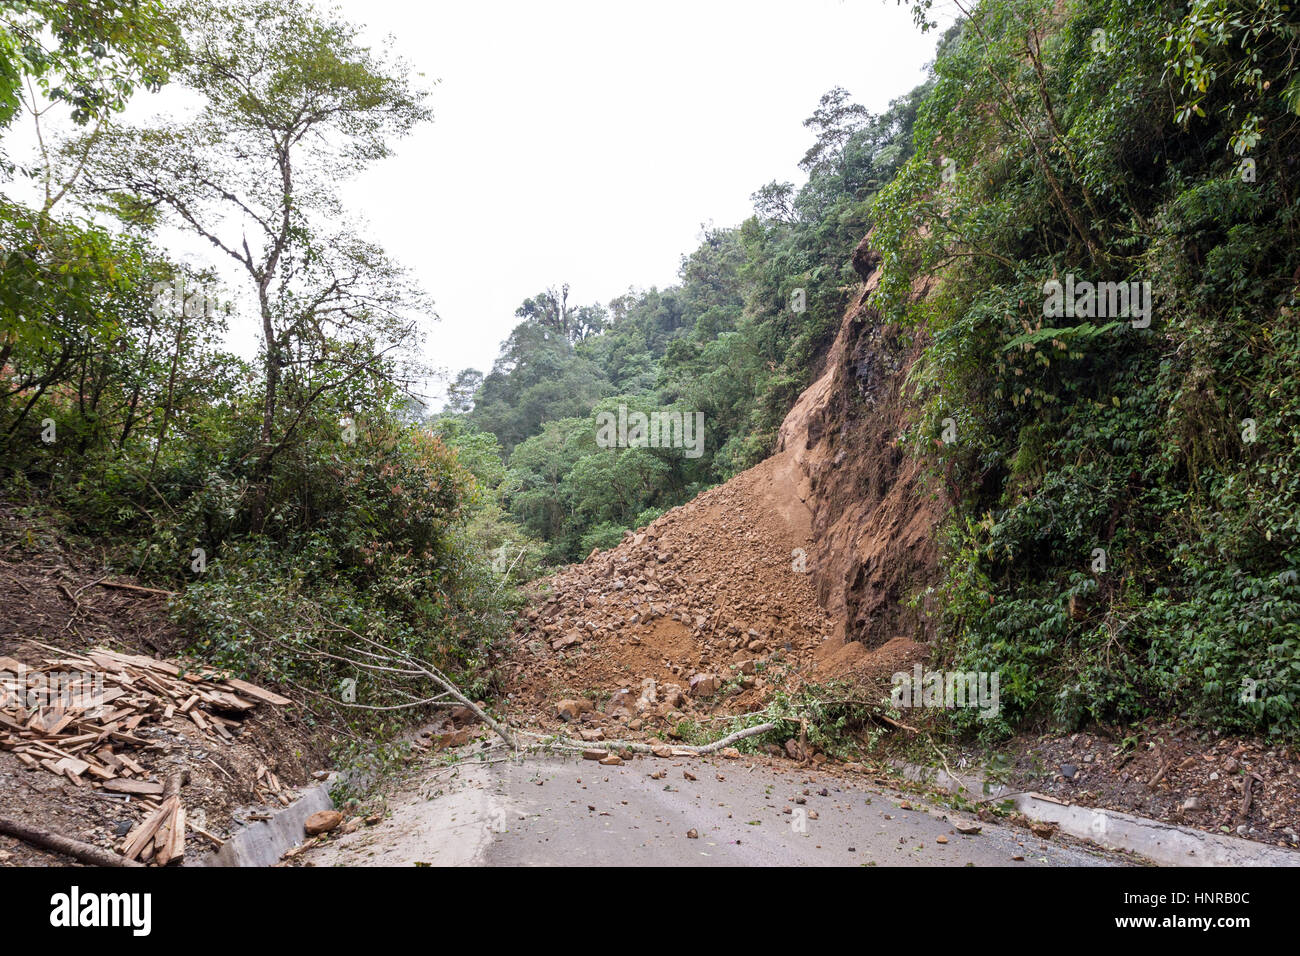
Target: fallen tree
x=67 y=846
x=637 y=747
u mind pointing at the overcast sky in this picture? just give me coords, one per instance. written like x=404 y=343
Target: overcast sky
x=587 y=142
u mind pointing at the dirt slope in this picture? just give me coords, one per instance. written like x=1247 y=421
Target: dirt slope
x=50 y=599
x=874 y=518
x=795 y=571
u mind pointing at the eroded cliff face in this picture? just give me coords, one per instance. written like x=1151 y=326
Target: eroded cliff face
x=874 y=519
x=797 y=571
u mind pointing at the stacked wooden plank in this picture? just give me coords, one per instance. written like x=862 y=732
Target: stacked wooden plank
x=79 y=716
x=160 y=837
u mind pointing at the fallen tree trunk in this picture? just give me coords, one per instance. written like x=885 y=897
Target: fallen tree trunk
x=57 y=843
x=501 y=731
x=640 y=748
x=730 y=739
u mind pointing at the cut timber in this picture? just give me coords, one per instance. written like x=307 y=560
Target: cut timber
x=146 y=841
x=231 y=702
x=72 y=765
x=130 y=764
x=142 y=692
x=49 y=840
x=143 y=835
x=139 y=788
x=215 y=840
x=169 y=842
x=257 y=693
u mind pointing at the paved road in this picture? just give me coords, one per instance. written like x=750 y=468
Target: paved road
x=554 y=811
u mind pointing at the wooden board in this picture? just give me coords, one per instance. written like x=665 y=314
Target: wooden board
x=257 y=693
x=136 y=787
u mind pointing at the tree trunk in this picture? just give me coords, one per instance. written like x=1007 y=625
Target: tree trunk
x=56 y=842
x=262 y=470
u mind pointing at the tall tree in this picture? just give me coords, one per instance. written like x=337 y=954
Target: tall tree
x=460 y=393
x=834 y=121
x=291 y=102
x=551 y=310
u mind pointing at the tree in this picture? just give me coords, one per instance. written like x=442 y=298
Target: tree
x=89 y=54
x=291 y=101
x=551 y=310
x=62 y=284
x=775 y=201
x=834 y=121
x=460 y=393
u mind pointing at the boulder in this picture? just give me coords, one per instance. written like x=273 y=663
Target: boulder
x=573 y=709
x=649 y=696
x=671 y=696
x=620 y=704
x=704 y=685
x=322 y=821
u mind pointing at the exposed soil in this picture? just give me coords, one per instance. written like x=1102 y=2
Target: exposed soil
x=48 y=594
x=713 y=603
x=1171 y=773
x=806 y=570
x=795 y=572
x=873 y=514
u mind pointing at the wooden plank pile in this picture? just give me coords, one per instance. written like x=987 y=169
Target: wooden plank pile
x=160 y=837
x=79 y=716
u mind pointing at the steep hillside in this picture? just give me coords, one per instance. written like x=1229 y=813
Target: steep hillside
x=705 y=613
x=797 y=571
x=873 y=519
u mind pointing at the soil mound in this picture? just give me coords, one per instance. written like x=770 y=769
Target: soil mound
x=797 y=571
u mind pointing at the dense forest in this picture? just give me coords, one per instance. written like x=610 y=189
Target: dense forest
x=1122 y=537
x=736 y=340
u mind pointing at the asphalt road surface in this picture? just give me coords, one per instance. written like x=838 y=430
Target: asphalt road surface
x=557 y=811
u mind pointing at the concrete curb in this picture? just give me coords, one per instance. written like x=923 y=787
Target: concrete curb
x=263 y=843
x=1162 y=843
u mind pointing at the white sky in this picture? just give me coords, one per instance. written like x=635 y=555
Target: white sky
x=587 y=142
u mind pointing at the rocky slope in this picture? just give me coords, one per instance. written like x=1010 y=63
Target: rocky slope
x=797 y=571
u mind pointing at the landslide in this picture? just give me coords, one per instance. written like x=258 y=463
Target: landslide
x=798 y=571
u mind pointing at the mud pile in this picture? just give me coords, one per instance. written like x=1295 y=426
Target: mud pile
x=796 y=572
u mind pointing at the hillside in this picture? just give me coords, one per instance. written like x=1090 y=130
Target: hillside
x=795 y=577
x=793 y=573
x=976 y=446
